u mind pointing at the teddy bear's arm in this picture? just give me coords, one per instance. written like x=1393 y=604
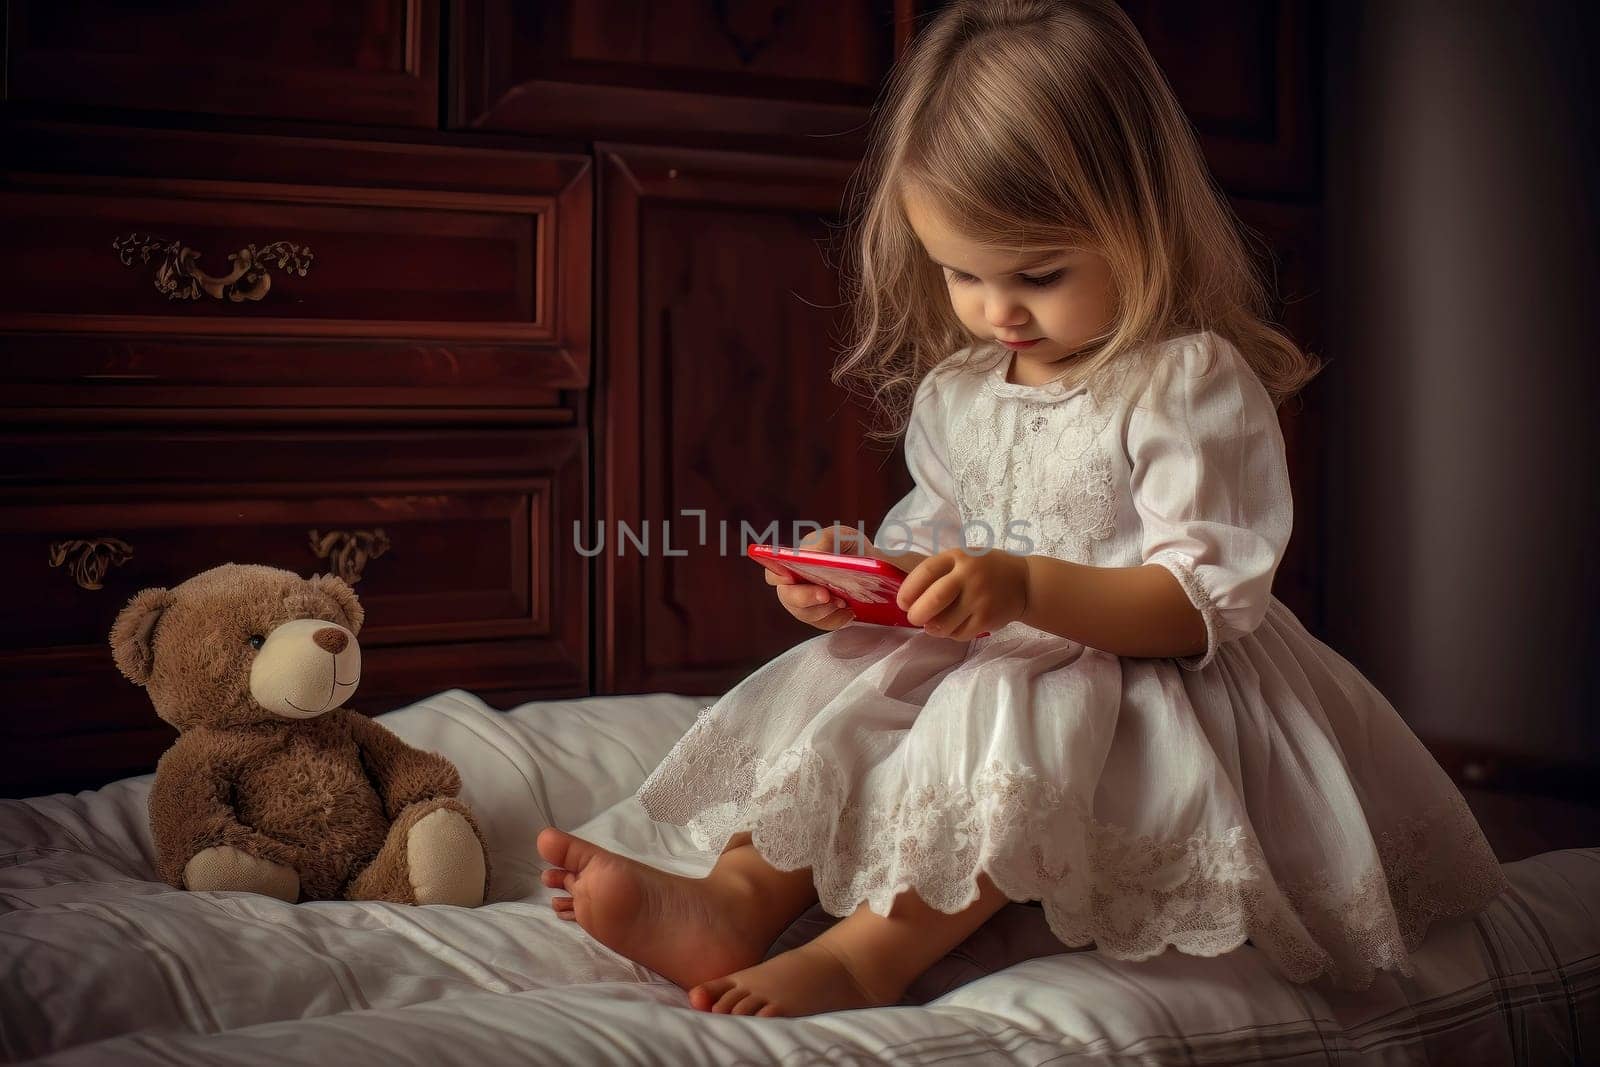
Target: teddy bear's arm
x=191 y=809
x=402 y=774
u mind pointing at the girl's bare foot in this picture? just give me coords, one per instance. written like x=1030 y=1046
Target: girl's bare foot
x=687 y=930
x=864 y=960
x=806 y=980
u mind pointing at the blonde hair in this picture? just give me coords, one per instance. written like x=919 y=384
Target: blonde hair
x=1043 y=125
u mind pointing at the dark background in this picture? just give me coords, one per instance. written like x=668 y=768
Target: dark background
x=1463 y=509
x=574 y=263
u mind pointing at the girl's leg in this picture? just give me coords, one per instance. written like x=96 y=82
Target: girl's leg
x=863 y=960
x=687 y=929
x=782 y=896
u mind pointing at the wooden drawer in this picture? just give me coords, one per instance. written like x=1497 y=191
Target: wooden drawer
x=446 y=563
x=411 y=278
x=790 y=78
x=373 y=62
x=382 y=264
x=470 y=578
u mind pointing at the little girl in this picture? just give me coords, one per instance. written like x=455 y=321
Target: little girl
x=1148 y=742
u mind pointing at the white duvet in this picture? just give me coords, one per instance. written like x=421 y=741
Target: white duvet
x=103 y=964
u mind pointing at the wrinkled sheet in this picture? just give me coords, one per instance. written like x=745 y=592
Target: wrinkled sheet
x=102 y=963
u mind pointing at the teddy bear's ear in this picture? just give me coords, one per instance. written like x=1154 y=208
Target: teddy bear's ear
x=344 y=596
x=131 y=634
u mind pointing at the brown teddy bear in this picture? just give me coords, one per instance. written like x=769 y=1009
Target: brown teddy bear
x=272 y=787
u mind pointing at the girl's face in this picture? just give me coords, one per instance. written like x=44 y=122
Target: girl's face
x=1064 y=300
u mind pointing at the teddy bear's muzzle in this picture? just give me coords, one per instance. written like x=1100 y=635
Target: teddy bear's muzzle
x=306 y=667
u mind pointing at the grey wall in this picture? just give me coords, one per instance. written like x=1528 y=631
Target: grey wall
x=1461 y=394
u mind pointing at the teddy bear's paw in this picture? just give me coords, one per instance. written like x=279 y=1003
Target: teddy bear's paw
x=444 y=860
x=223 y=867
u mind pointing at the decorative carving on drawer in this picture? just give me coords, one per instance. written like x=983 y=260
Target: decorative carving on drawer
x=88 y=559
x=180 y=278
x=749 y=48
x=349 y=550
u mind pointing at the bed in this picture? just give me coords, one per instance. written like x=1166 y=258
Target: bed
x=103 y=964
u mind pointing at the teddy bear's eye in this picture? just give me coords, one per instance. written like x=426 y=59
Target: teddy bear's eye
x=256 y=641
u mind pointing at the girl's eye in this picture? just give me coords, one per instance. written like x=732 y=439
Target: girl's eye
x=256 y=641
x=1040 y=280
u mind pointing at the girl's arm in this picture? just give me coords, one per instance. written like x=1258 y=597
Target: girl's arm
x=1127 y=611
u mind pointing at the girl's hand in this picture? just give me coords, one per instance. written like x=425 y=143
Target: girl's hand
x=812 y=604
x=848 y=540
x=957 y=594
x=844 y=541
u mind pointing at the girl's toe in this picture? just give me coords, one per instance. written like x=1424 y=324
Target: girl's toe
x=725 y=1003
x=552 y=877
x=749 y=1005
x=561 y=849
x=768 y=1011
x=704 y=996
x=552 y=845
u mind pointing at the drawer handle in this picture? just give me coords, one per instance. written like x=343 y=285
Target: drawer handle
x=90 y=559
x=349 y=550
x=178 y=276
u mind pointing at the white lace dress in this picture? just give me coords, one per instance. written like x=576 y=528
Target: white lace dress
x=1262 y=790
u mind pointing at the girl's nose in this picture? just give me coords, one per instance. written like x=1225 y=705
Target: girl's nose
x=1005 y=314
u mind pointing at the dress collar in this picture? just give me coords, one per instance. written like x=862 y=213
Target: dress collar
x=995 y=379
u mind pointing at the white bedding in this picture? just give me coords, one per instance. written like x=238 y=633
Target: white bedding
x=104 y=964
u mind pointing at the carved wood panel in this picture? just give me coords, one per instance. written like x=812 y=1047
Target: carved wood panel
x=1245 y=72
x=753 y=74
x=715 y=396
x=372 y=62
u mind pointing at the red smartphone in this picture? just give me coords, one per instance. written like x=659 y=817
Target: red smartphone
x=866 y=584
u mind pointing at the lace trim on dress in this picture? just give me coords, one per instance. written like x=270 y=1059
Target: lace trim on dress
x=1130 y=895
x=1183 y=569
x=1037 y=462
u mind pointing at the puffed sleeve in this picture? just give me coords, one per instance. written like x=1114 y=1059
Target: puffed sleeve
x=1210 y=483
x=926 y=519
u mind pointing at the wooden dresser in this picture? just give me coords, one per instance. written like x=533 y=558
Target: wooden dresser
x=428 y=294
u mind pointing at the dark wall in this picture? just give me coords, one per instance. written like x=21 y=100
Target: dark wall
x=1464 y=519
